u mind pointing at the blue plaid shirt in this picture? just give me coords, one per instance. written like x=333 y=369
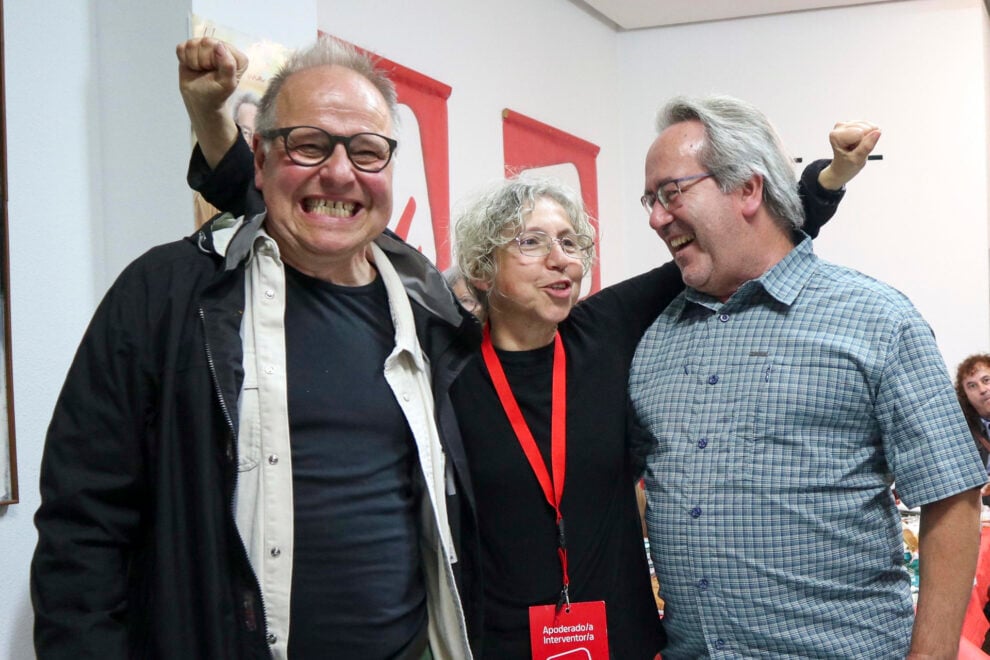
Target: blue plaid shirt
x=782 y=417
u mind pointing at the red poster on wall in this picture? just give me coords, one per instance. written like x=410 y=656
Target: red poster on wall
x=426 y=98
x=529 y=144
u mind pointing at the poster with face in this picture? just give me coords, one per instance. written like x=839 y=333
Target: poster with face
x=533 y=146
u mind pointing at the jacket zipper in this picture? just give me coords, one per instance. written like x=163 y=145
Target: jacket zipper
x=250 y=619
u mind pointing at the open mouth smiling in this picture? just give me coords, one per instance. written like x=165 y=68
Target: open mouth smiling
x=331 y=208
x=560 y=289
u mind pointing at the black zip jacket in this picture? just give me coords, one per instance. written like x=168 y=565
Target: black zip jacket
x=138 y=554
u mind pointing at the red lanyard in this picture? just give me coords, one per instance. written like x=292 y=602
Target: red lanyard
x=552 y=491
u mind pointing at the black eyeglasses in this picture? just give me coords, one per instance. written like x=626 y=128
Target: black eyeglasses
x=310 y=146
x=667 y=195
x=538 y=244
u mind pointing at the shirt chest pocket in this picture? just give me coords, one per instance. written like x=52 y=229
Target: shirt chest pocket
x=815 y=413
x=819 y=390
x=731 y=396
x=713 y=416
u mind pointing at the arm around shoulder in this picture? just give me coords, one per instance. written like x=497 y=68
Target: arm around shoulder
x=640 y=299
x=823 y=182
x=221 y=167
x=230 y=185
x=819 y=202
x=209 y=72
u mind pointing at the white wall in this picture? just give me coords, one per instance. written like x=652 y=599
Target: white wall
x=91 y=177
x=986 y=115
x=918 y=218
x=97 y=146
x=291 y=23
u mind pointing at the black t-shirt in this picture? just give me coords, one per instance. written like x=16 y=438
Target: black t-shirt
x=357 y=583
x=606 y=557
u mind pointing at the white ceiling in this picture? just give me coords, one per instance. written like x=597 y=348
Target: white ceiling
x=634 y=14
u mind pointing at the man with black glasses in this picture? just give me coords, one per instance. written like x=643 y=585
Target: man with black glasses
x=254 y=453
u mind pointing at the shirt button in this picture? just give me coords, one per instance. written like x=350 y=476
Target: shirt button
x=272 y=638
x=275 y=551
x=703 y=584
x=713 y=379
x=702 y=443
x=405 y=396
x=719 y=644
x=696 y=512
x=269 y=370
x=269 y=293
x=273 y=459
x=723 y=317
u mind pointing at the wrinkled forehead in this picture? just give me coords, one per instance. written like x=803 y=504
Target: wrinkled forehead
x=548 y=215
x=977 y=372
x=332 y=94
x=676 y=150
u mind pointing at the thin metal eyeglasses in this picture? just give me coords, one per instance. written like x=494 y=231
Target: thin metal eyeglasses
x=667 y=196
x=310 y=146
x=539 y=244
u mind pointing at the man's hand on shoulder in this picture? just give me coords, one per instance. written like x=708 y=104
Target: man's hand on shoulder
x=852 y=142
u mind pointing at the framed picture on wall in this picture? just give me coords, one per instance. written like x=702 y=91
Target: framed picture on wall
x=8 y=453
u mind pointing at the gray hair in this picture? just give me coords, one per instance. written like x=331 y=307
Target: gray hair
x=494 y=217
x=452 y=275
x=740 y=142
x=247 y=98
x=327 y=51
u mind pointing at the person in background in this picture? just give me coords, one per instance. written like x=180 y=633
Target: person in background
x=785 y=394
x=245 y=115
x=973 y=393
x=248 y=458
x=459 y=287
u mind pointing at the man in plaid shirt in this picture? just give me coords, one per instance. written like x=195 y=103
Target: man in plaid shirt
x=785 y=395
